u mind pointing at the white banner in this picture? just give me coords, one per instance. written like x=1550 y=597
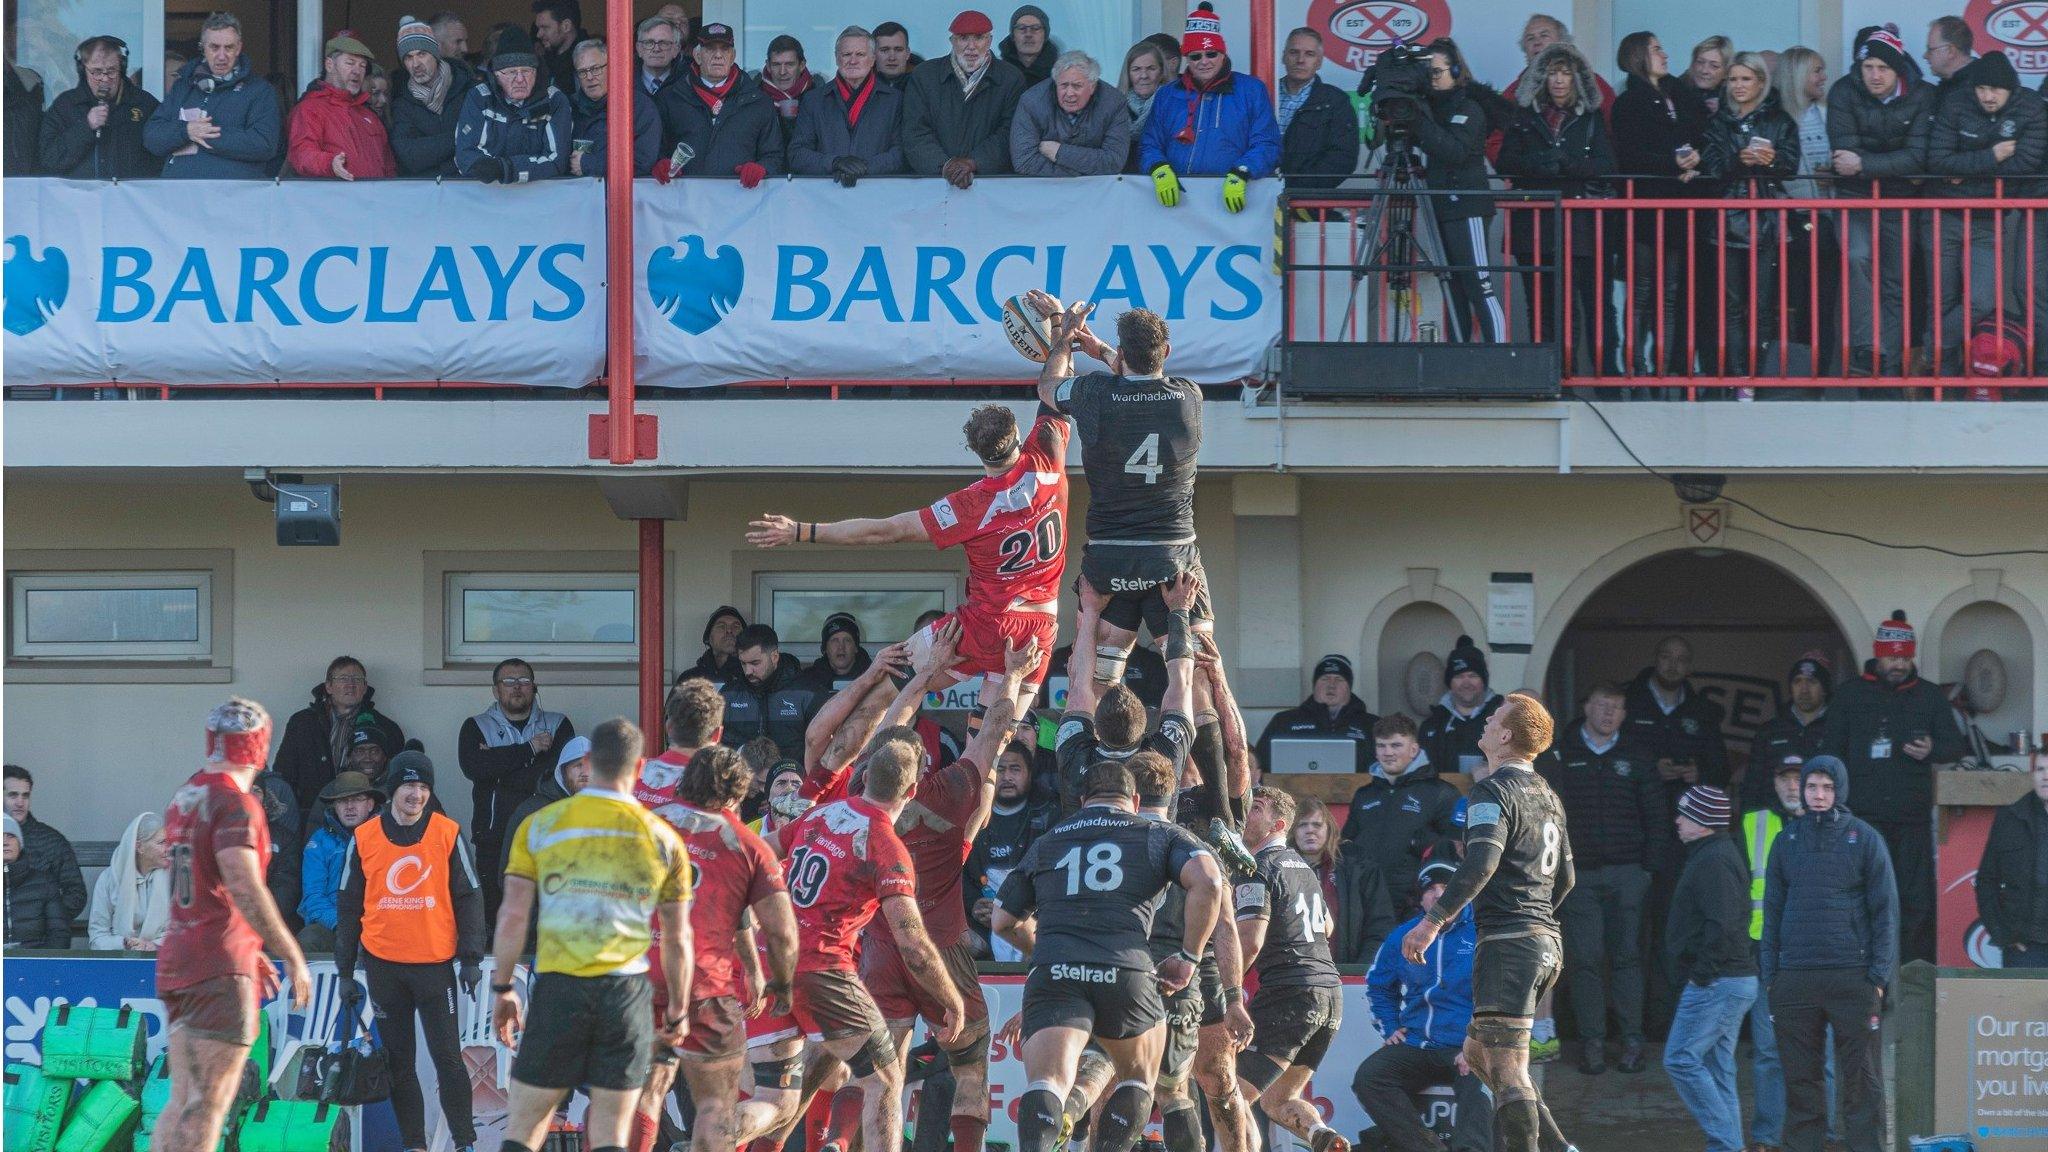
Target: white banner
x=905 y=279
x=207 y=282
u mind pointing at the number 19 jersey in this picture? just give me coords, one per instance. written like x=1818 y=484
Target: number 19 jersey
x=843 y=860
x=1012 y=526
x=1094 y=883
x=1516 y=809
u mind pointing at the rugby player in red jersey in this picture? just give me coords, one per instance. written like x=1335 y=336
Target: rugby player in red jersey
x=210 y=970
x=693 y=717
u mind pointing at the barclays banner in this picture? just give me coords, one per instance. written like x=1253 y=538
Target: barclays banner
x=207 y=282
x=905 y=279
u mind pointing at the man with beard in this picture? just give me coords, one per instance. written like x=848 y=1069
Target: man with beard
x=1450 y=733
x=1014 y=821
x=721 y=659
x=334 y=133
x=94 y=131
x=768 y=699
x=426 y=102
x=506 y=751
x=956 y=111
x=1796 y=731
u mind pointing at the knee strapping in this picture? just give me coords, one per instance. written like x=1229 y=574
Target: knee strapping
x=1124 y=1116
x=1513 y=1093
x=1109 y=663
x=782 y=1075
x=878 y=1052
x=973 y=1050
x=1494 y=1032
x=1257 y=1070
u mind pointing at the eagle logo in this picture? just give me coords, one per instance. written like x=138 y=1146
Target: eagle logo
x=35 y=289
x=695 y=290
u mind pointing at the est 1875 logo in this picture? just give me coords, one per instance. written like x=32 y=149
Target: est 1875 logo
x=35 y=289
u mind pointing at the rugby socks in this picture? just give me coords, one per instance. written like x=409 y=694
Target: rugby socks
x=1515 y=1126
x=1124 y=1117
x=1039 y=1116
x=843 y=1123
x=645 y=1129
x=816 y=1116
x=1543 y=1029
x=1549 y=1137
x=968 y=1133
x=1182 y=1126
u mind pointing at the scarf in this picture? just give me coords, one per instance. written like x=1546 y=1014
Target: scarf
x=968 y=81
x=1290 y=103
x=713 y=95
x=1553 y=118
x=1140 y=108
x=142 y=904
x=856 y=102
x=1200 y=91
x=433 y=95
x=341 y=731
x=786 y=99
x=500 y=732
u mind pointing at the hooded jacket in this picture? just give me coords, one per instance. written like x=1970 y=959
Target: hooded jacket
x=2012 y=879
x=1889 y=136
x=122 y=892
x=1365 y=909
x=1234 y=127
x=328 y=122
x=1313 y=721
x=1706 y=937
x=1572 y=159
x=1830 y=899
x=320 y=873
x=1613 y=800
x=938 y=125
x=590 y=124
x=1869 y=716
x=531 y=136
x=822 y=133
x=1650 y=123
x=1729 y=132
x=241 y=104
x=502 y=775
x=1397 y=819
x=820 y=678
x=1319 y=147
x=304 y=755
x=1093 y=142
x=1963 y=136
x=550 y=790
x=1448 y=738
x=71 y=149
x=746 y=129
x=779 y=710
x=1433 y=999
x=423 y=140
x=287 y=822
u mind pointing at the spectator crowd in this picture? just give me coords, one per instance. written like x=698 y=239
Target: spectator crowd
x=1707 y=897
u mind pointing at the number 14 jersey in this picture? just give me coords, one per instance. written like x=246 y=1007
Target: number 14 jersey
x=1094 y=883
x=1288 y=896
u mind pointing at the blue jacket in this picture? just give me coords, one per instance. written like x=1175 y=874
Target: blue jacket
x=533 y=135
x=1830 y=900
x=1234 y=127
x=1433 y=999
x=321 y=879
x=243 y=106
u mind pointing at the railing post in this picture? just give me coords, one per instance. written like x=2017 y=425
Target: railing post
x=618 y=232
x=653 y=629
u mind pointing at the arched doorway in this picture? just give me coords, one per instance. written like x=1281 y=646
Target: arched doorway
x=1746 y=618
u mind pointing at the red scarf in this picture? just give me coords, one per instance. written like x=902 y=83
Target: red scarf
x=786 y=102
x=713 y=95
x=1187 y=81
x=855 y=104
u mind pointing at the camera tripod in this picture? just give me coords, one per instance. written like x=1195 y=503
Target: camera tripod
x=1397 y=238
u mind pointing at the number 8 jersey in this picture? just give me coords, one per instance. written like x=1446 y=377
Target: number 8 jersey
x=1095 y=882
x=1516 y=809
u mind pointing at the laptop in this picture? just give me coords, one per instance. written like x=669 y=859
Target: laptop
x=1328 y=755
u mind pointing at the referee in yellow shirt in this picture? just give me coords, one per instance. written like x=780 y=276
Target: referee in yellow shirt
x=604 y=867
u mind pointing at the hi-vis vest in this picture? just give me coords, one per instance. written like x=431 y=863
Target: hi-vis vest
x=408 y=910
x=1759 y=830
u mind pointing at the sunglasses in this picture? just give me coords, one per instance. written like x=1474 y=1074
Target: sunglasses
x=1204 y=55
x=517 y=682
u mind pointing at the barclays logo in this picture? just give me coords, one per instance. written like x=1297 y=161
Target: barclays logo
x=696 y=290
x=35 y=289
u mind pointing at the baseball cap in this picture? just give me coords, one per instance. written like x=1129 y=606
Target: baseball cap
x=1436 y=872
x=971 y=23
x=715 y=34
x=1790 y=762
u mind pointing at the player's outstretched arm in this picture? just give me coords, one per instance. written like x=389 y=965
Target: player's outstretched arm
x=1236 y=749
x=997 y=729
x=915 y=946
x=773 y=530
x=775 y=919
x=909 y=698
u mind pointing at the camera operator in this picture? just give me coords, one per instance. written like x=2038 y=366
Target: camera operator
x=1448 y=125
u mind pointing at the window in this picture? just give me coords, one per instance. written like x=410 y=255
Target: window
x=887 y=604
x=121 y=616
x=585 y=617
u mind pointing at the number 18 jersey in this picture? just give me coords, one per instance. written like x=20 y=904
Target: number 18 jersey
x=1516 y=809
x=1095 y=882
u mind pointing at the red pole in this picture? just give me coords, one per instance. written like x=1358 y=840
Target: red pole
x=653 y=615
x=618 y=205
x=1262 y=42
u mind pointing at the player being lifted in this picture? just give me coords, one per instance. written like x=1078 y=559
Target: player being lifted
x=1012 y=524
x=1081 y=902
x=1516 y=872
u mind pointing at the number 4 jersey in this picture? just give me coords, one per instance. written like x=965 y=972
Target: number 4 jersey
x=1094 y=883
x=1516 y=809
x=1139 y=439
x=1012 y=526
x=842 y=860
x=1286 y=894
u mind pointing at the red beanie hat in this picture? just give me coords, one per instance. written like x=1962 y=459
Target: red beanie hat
x=1894 y=636
x=1204 y=31
x=238 y=732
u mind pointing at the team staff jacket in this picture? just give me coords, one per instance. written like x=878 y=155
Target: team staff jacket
x=1964 y=134
x=1783 y=735
x=1364 y=910
x=1868 y=725
x=1433 y=999
x=1707 y=937
x=501 y=778
x=1314 y=721
x=409 y=894
x=2012 y=880
x=1830 y=898
x=1613 y=802
x=1451 y=739
x=1690 y=731
x=780 y=709
x=1397 y=819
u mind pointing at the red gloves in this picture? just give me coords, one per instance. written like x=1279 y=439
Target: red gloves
x=751 y=174
x=664 y=170
x=959 y=171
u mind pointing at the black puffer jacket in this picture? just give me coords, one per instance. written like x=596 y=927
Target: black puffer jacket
x=1868 y=713
x=423 y=140
x=1570 y=160
x=779 y=710
x=284 y=875
x=1781 y=736
x=305 y=755
x=1830 y=898
x=1650 y=123
x=2012 y=880
x=1451 y=132
x=820 y=678
x=1691 y=731
x=1964 y=134
x=1320 y=147
x=1397 y=820
x=70 y=147
x=35 y=908
x=1707 y=934
x=1365 y=909
x=1313 y=721
x=746 y=129
x=1730 y=131
x=1613 y=802
x=49 y=851
x=1889 y=136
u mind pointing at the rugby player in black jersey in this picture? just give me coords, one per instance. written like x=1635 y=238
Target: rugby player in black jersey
x=1516 y=873
x=1107 y=722
x=1082 y=903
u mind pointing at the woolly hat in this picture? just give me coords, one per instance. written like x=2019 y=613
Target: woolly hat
x=238 y=732
x=837 y=623
x=416 y=35
x=410 y=767
x=10 y=827
x=1436 y=872
x=1705 y=805
x=1203 y=31
x=515 y=50
x=1895 y=636
x=722 y=611
x=1333 y=665
x=1994 y=70
x=1814 y=664
x=1884 y=46
x=1465 y=657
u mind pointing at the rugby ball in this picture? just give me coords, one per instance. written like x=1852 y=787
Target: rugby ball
x=1030 y=334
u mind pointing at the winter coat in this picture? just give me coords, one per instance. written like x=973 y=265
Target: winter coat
x=241 y=104
x=1613 y=801
x=1570 y=160
x=1691 y=731
x=1450 y=129
x=1890 y=137
x=320 y=873
x=287 y=830
x=122 y=892
x=1365 y=909
x=49 y=851
x=422 y=139
x=707 y=668
x=939 y=126
x=532 y=136
x=35 y=907
x=1449 y=739
x=1706 y=937
x=304 y=755
x=549 y=790
x=502 y=778
x=1781 y=736
x=1319 y=148
x=2012 y=879
x=1866 y=713
x=24 y=125
x=1433 y=999
x=1728 y=133
x=1234 y=128
x=780 y=710
x=1313 y=721
x=1649 y=124
x=745 y=130
x=1039 y=70
x=1830 y=899
x=822 y=134
x=1397 y=820
x=1094 y=142
x=1962 y=138
x=73 y=150
x=328 y=122
x=590 y=124
x=820 y=678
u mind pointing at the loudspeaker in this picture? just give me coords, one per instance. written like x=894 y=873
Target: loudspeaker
x=1312 y=370
x=308 y=514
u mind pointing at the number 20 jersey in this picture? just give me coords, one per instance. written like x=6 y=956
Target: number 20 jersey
x=1012 y=526
x=1095 y=882
x=1516 y=809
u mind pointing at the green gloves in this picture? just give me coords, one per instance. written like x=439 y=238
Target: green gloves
x=1233 y=188
x=1167 y=185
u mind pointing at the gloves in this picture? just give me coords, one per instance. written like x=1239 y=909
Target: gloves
x=470 y=975
x=491 y=170
x=848 y=169
x=351 y=992
x=1167 y=185
x=751 y=174
x=1233 y=188
x=665 y=170
x=959 y=171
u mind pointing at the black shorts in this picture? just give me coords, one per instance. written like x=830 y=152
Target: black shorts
x=1113 y=1003
x=1130 y=575
x=1509 y=977
x=587 y=1030
x=1293 y=1025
